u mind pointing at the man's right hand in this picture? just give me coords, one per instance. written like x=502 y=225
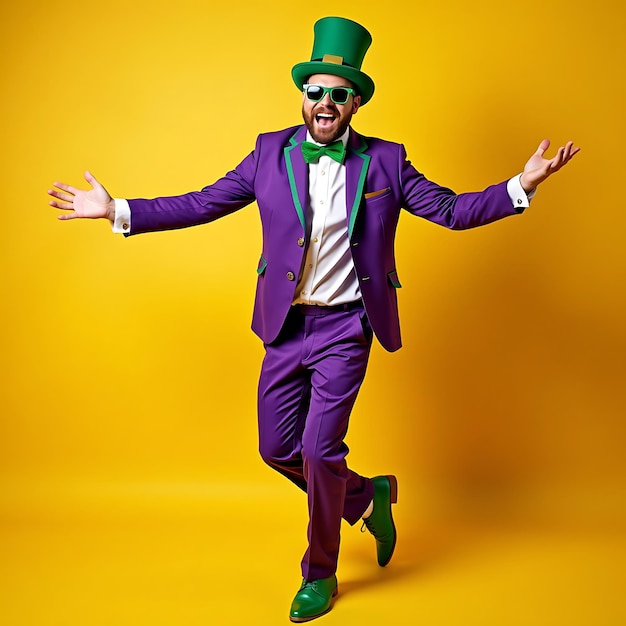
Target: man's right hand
x=92 y=204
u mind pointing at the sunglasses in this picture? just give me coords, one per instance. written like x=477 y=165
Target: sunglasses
x=339 y=95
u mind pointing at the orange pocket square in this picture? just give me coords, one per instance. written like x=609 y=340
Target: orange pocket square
x=374 y=194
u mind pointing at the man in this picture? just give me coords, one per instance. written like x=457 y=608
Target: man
x=329 y=201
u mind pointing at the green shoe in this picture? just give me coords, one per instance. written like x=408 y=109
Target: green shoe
x=313 y=599
x=380 y=522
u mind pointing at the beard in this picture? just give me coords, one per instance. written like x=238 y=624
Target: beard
x=325 y=123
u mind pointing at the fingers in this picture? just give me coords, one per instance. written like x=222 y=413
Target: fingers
x=64 y=200
x=66 y=197
x=563 y=156
x=91 y=179
x=543 y=146
x=570 y=150
x=66 y=206
x=67 y=216
x=566 y=152
x=65 y=187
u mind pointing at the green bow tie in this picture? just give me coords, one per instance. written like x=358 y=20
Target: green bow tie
x=312 y=152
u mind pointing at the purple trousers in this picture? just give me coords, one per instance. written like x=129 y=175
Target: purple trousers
x=309 y=382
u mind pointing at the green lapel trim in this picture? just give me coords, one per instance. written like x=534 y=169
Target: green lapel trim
x=366 y=158
x=292 y=180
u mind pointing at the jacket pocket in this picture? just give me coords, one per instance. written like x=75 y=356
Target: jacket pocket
x=370 y=195
x=262 y=265
x=392 y=277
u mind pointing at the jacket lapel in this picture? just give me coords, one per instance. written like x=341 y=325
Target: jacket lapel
x=297 y=173
x=357 y=163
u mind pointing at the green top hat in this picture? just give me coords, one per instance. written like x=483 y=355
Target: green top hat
x=338 y=49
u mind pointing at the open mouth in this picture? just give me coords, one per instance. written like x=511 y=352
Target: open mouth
x=325 y=120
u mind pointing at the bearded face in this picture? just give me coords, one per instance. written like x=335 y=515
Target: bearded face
x=326 y=120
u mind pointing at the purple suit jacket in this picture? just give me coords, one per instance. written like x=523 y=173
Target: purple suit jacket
x=380 y=181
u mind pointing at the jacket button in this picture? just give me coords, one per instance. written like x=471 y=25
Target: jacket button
x=291 y=276
x=301 y=241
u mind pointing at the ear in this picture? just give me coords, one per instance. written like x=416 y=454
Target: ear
x=356 y=103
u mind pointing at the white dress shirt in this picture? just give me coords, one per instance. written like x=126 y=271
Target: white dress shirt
x=328 y=275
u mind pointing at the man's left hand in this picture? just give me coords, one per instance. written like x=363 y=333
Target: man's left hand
x=537 y=169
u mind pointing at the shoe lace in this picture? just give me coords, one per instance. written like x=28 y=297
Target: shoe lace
x=368 y=524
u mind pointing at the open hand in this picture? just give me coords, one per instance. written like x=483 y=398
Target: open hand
x=92 y=204
x=537 y=169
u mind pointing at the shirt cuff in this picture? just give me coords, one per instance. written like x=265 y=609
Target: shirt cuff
x=122 y=216
x=519 y=197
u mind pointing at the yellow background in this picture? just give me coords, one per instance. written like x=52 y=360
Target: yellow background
x=128 y=436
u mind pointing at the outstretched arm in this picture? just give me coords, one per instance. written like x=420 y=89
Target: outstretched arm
x=537 y=169
x=91 y=204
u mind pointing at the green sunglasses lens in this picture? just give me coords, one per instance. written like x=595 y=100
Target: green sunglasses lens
x=314 y=93
x=339 y=95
